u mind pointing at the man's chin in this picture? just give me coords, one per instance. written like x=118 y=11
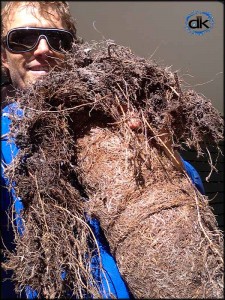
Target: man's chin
x=36 y=76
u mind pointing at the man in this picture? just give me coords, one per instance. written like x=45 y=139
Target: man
x=34 y=36
x=29 y=54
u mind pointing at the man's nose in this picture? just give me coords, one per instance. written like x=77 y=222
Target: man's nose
x=42 y=47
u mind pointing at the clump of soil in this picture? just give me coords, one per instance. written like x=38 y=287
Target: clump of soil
x=76 y=142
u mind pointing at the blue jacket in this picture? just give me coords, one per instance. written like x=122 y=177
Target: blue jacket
x=116 y=283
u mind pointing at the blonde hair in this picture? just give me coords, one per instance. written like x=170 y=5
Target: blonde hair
x=61 y=8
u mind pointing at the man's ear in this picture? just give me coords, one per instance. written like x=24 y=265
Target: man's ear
x=4 y=58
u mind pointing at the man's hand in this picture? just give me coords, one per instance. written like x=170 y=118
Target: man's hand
x=134 y=122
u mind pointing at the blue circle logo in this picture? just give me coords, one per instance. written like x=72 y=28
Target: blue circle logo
x=199 y=22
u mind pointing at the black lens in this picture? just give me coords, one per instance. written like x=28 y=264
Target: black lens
x=60 y=40
x=22 y=39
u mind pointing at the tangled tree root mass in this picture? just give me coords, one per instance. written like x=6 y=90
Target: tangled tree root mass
x=79 y=156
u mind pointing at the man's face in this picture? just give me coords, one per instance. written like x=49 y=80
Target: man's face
x=26 y=68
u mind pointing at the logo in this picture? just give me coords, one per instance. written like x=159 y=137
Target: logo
x=199 y=22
